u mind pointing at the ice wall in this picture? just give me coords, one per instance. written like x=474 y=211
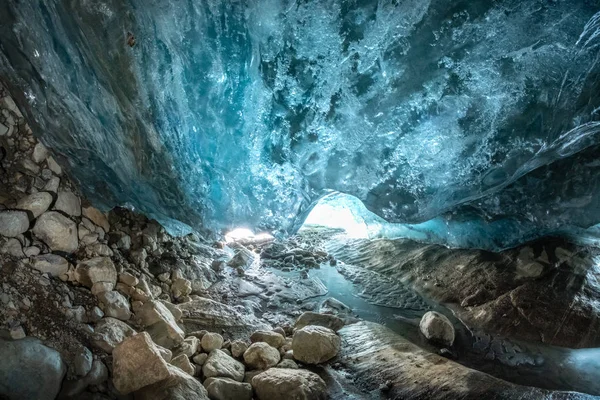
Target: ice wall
x=228 y=113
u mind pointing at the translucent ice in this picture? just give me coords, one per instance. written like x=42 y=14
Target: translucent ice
x=231 y=113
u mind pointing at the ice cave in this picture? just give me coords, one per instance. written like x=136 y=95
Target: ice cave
x=299 y=199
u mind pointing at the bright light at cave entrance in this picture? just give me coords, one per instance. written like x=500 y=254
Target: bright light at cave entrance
x=339 y=212
x=245 y=234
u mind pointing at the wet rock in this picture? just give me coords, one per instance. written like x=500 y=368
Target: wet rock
x=285 y=384
x=273 y=339
x=183 y=362
x=57 y=231
x=325 y=320
x=97 y=217
x=315 y=344
x=98 y=269
x=227 y=389
x=437 y=328
x=137 y=363
x=261 y=356
x=36 y=203
x=50 y=264
x=238 y=347
x=68 y=203
x=211 y=341
x=219 y=364
x=109 y=332
x=29 y=370
x=13 y=223
x=115 y=305
x=52 y=184
x=178 y=386
x=53 y=166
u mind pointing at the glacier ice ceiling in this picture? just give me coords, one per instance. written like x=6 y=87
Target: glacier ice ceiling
x=231 y=113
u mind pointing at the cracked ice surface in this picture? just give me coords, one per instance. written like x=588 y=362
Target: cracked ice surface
x=245 y=113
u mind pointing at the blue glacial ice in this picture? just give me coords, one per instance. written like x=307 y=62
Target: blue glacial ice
x=229 y=113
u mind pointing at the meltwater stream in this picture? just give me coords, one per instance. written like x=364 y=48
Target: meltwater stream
x=520 y=362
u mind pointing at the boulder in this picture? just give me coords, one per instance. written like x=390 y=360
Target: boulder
x=227 y=389
x=273 y=339
x=37 y=203
x=137 y=363
x=200 y=359
x=178 y=386
x=183 y=362
x=160 y=324
x=50 y=264
x=327 y=320
x=40 y=153
x=315 y=344
x=57 y=231
x=437 y=328
x=261 y=356
x=128 y=279
x=190 y=346
x=29 y=370
x=69 y=203
x=286 y=363
x=98 y=269
x=13 y=223
x=285 y=384
x=219 y=364
x=115 y=305
x=238 y=348
x=12 y=247
x=211 y=341
x=109 y=332
x=97 y=217
x=181 y=287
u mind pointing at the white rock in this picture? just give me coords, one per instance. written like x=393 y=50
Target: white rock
x=57 y=231
x=40 y=152
x=37 y=203
x=437 y=328
x=53 y=166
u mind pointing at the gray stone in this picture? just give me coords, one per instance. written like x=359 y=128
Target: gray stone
x=13 y=223
x=227 y=389
x=69 y=203
x=285 y=384
x=261 y=356
x=12 y=247
x=190 y=346
x=160 y=324
x=183 y=362
x=222 y=365
x=40 y=152
x=115 y=305
x=178 y=386
x=82 y=362
x=315 y=344
x=57 y=231
x=50 y=264
x=53 y=166
x=98 y=269
x=109 y=332
x=238 y=348
x=52 y=184
x=286 y=363
x=326 y=320
x=37 y=203
x=273 y=339
x=437 y=328
x=211 y=341
x=200 y=359
x=29 y=370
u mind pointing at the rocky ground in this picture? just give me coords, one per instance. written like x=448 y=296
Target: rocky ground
x=110 y=306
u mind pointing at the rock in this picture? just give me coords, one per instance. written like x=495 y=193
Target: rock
x=40 y=153
x=285 y=384
x=12 y=247
x=53 y=166
x=99 y=249
x=273 y=339
x=98 y=269
x=160 y=324
x=32 y=251
x=36 y=203
x=181 y=287
x=29 y=370
x=97 y=217
x=82 y=362
x=57 y=231
x=50 y=264
x=109 y=332
x=200 y=359
x=178 y=386
x=173 y=309
x=13 y=223
x=137 y=363
x=286 y=363
x=211 y=341
x=166 y=354
x=437 y=328
x=115 y=305
x=261 y=356
x=227 y=389
x=183 y=362
x=101 y=287
x=128 y=279
x=68 y=203
x=315 y=344
x=219 y=364
x=326 y=320
x=52 y=185
x=190 y=346
x=124 y=243
x=238 y=348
